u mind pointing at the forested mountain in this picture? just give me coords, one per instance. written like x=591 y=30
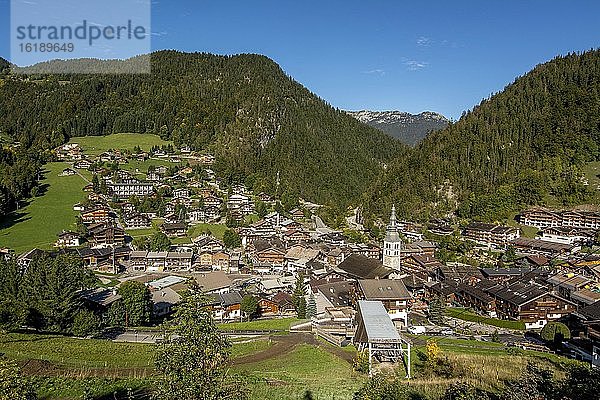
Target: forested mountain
x=257 y=120
x=408 y=128
x=523 y=146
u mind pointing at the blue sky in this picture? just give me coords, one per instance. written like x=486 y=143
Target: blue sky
x=441 y=56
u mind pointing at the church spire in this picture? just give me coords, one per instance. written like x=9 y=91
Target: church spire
x=393 y=226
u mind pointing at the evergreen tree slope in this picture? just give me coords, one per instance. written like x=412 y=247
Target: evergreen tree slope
x=523 y=146
x=256 y=119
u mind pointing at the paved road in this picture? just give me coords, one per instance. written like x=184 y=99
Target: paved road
x=139 y=337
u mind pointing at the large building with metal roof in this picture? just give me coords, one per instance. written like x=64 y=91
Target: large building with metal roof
x=377 y=334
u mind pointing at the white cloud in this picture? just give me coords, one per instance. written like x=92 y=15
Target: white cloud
x=424 y=41
x=414 y=65
x=378 y=71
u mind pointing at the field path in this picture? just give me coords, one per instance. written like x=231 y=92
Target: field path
x=286 y=344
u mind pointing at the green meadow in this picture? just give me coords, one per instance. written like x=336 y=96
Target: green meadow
x=38 y=223
x=94 y=145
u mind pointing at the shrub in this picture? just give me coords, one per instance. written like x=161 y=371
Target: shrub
x=555 y=332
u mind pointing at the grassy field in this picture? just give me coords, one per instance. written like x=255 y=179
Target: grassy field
x=282 y=325
x=38 y=224
x=77 y=353
x=305 y=368
x=592 y=172
x=123 y=141
x=287 y=376
x=217 y=230
x=461 y=313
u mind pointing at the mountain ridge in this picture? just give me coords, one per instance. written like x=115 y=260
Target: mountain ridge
x=257 y=120
x=408 y=128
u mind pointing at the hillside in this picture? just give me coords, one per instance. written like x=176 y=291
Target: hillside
x=408 y=128
x=257 y=120
x=523 y=146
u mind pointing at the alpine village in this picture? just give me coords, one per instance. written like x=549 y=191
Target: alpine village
x=216 y=231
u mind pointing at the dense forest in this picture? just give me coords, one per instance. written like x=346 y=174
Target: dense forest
x=256 y=119
x=524 y=146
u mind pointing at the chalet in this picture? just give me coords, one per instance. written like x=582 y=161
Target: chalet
x=265 y=198
x=262 y=268
x=446 y=291
x=418 y=247
x=100 y=259
x=585 y=297
x=491 y=235
x=542 y=247
x=505 y=274
x=357 y=266
x=156 y=261
x=127 y=208
x=137 y=260
x=95 y=197
x=226 y=306
x=540 y=218
x=272 y=286
x=68 y=239
x=334 y=294
x=271 y=255
x=476 y=298
x=212 y=213
x=392 y=293
x=126 y=190
x=238 y=189
x=367 y=250
x=421 y=265
x=441 y=230
x=106 y=233
x=171 y=218
x=67 y=172
x=298 y=256
x=206 y=260
x=568 y=235
x=196 y=216
x=170 y=207
x=566 y=284
x=458 y=272
x=533 y=304
x=220 y=261
x=179 y=261
x=174 y=230
x=137 y=221
x=153 y=176
x=237 y=200
x=213 y=282
x=207 y=244
x=99 y=300
x=88 y=188
x=181 y=193
x=335 y=256
x=212 y=201
x=280 y=303
x=247 y=208
x=95 y=215
x=164 y=300
x=297 y=213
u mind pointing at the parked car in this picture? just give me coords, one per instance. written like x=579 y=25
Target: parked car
x=417 y=330
x=447 y=331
